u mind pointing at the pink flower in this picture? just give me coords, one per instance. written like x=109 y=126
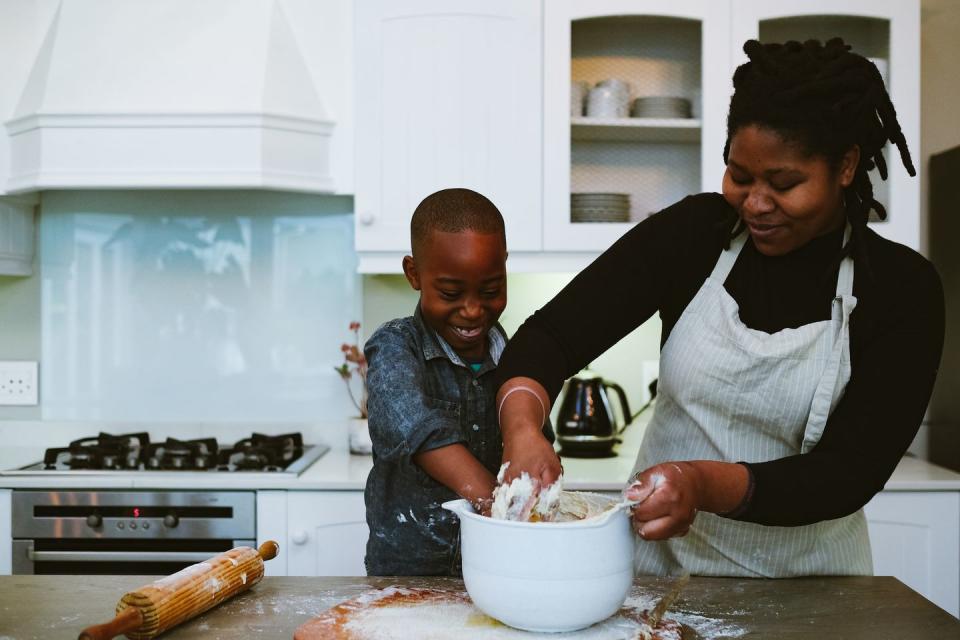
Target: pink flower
x=353 y=355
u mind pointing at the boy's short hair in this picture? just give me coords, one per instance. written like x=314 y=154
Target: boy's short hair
x=453 y=211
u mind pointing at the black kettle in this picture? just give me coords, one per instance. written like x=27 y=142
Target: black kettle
x=586 y=425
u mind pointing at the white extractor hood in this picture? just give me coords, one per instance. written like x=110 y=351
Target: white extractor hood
x=171 y=94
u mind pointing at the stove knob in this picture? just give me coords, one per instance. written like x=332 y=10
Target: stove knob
x=171 y=520
x=299 y=536
x=94 y=520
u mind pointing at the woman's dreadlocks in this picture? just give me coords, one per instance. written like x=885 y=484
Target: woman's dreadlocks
x=826 y=99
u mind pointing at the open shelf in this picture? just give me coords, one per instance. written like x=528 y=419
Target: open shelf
x=635 y=129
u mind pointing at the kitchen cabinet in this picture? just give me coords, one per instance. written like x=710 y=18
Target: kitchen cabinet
x=6 y=532
x=915 y=537
x=326 y=533
x=17 y=235
x=887 y=31
x=678 y=49
x=447 y=95
x=450 y=131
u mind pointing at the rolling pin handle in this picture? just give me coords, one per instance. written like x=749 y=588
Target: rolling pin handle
x=130 y=619
x=269 y=550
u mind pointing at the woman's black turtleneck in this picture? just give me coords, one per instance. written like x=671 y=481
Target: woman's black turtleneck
x=896 y=337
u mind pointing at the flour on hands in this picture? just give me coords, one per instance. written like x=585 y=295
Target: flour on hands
x=524 y=500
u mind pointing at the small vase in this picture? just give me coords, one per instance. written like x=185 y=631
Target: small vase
x=360 y=443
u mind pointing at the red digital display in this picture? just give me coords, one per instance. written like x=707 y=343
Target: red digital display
x=136 y=512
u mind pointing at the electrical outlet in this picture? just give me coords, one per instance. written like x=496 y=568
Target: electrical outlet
x=649 y=371
x=19 y=383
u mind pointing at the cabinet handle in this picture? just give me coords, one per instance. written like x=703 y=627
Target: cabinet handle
x=366 y=218
x=299 y=537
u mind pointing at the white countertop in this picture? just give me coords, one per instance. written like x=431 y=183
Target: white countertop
x=337 y=470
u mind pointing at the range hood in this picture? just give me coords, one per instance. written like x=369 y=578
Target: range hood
x=172 y=94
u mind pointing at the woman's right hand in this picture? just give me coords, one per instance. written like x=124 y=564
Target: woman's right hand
x=530 y=451
x=523 y=405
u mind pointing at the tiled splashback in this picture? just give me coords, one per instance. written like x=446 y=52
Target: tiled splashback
x=190 y=305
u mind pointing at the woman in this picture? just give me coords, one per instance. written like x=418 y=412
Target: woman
x=799 y=348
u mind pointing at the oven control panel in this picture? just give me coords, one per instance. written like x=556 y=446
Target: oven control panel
x=143 y=514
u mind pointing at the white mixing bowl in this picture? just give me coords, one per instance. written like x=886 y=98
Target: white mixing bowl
x=546 y=576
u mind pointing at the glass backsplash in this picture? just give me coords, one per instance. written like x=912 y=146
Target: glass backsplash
x=195 y=305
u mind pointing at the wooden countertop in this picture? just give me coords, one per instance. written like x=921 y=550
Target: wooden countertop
x=52 y=607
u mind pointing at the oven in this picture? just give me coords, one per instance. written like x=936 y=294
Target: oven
x=127 y=532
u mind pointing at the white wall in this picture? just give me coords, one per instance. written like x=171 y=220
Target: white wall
x=386 y=297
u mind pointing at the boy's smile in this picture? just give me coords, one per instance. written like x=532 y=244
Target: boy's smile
x=462 y=280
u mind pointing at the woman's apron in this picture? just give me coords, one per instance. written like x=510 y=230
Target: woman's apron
x=730 y=393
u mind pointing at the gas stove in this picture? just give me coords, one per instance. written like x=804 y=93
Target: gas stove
x=134 y=452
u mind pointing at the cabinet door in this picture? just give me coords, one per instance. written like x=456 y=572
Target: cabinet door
x=448 y=95
x=327 y=533
x=884 y=30
x=676 y=51
x=915 y=537
x=16 y=235
x=6 y=532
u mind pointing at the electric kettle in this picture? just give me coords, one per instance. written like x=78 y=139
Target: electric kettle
x=586 y=423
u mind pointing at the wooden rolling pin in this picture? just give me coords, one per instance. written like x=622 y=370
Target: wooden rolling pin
x=161 y=605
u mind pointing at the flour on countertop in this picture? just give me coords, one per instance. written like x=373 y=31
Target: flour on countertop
x=706 y=627
x=455 y=617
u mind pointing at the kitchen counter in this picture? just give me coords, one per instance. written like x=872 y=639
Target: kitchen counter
x=52 y=607
x=338 y=470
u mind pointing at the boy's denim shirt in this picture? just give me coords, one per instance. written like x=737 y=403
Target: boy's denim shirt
x=423 y=396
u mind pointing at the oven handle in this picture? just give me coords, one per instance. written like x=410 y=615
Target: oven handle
x=119 y=556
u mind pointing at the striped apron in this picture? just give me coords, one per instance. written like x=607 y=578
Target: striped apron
x=731 y=393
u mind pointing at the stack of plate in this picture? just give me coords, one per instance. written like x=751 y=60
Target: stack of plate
x=600 y=207
x=661 y=107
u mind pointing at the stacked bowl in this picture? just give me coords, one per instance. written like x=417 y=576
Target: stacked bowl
x=599 y=207
x=661 y=107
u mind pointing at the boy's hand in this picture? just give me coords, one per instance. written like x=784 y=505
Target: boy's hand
x=530 y=451
x=457 y=469
x=483 y=506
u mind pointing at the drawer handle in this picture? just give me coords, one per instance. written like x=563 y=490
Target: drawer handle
x=119 y=556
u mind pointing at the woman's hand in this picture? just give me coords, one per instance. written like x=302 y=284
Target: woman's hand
x=523 y=406
x=668 y=496
x=530 y=451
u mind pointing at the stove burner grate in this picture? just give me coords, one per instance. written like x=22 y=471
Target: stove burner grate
x=104 y=451
x=182 y=455
x=135 y=452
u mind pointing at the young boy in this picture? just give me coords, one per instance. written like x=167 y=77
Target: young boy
x=431 y=395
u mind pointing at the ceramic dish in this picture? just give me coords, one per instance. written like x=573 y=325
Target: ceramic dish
x=546 y=576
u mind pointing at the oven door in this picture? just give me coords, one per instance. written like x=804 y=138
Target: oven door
x=114 y=557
